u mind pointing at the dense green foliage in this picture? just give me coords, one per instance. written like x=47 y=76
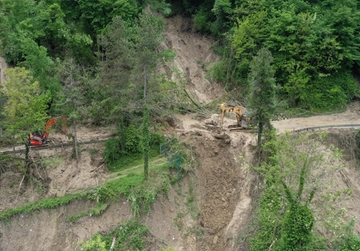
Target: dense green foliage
x=25 y=108
x=114 y=154
x=71 y=48
x=315 y=45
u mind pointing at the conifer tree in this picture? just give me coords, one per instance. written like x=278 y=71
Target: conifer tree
x=262 y=91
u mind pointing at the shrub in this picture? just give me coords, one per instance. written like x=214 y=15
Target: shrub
x=330 y=92
x=130 y=235
x=132 y=145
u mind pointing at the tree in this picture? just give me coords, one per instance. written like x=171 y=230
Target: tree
x=247 y=38
x=112 y=103
x=25 y=110
x=262 y=91
x=70 y=99
x=131 y=54
x=39 y=64
x=148 y=37
x=222 y=10
x=117 y=62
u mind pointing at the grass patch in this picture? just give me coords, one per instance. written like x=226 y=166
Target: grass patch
x=128 y=161
x=154 y=164
x=178 y=221
x=48 y=203
x=95 y=211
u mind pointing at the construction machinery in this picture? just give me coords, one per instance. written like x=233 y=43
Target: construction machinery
x=41 y=138
x=243 y=118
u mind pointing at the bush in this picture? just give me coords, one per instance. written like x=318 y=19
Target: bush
x=133 y=140
x=130 y=235
x=349 y=241
x=201 y=20
x=330 y=93
x=115 y=149
x=112 y=151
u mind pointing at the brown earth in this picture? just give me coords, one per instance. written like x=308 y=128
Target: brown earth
x=224 y=183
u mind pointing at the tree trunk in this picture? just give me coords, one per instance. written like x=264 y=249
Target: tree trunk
x=76 y=144
x=145 y=85
x=260 y=131
x=146 y=136
x=146 y=139
x=27 y=150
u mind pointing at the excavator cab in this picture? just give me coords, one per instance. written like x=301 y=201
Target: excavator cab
x=38 y=138
x=246 y=120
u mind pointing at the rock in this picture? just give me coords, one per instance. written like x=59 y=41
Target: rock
x=215 y=240
x=213 y=120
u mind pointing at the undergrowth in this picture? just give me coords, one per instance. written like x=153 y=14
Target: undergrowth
x=130 y=235
x=49 y=203
x=295 y=172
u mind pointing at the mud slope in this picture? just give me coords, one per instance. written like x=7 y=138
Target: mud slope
x=224 y=187
x=193 y=57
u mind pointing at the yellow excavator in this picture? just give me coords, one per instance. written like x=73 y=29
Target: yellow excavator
x=242 y=117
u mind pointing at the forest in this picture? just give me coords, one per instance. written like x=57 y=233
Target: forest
x=97 y=61
x=79 y=45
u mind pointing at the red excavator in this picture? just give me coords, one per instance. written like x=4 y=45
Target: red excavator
x=41 y=138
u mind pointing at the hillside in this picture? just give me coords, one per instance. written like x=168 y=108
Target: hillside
x=224 y=185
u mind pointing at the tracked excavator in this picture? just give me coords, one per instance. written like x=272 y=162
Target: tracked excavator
x=243 y=118
x=41 y=138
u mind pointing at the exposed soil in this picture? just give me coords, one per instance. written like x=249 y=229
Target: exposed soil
x=194 y=57
x=223 y=182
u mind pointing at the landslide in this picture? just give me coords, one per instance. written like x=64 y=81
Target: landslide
x=222 y=188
